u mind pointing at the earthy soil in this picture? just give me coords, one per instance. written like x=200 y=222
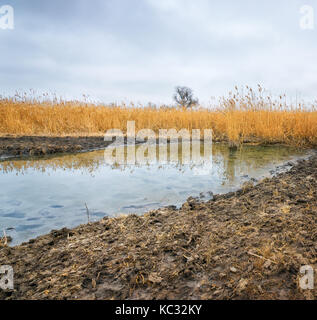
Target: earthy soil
x=248 y=244
x=38 y=146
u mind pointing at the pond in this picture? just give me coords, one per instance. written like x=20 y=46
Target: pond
x=41 y=194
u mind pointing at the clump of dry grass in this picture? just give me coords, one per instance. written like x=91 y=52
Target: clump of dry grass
x=239 y=117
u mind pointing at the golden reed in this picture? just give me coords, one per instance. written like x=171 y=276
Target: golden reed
x=238 y=118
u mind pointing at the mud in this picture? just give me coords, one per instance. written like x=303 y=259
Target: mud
x=248 y=244
x=11 y=146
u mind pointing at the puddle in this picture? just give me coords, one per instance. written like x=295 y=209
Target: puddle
x=38 y=195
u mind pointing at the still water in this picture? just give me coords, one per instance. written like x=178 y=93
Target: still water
x=38 y=195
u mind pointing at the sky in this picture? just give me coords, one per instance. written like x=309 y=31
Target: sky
x=140 y=50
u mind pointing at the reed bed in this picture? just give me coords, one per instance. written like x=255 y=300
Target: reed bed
x=238 y=118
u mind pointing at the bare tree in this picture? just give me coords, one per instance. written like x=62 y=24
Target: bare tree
x=184 y=97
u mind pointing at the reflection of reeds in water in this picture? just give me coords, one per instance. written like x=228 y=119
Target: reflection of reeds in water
x=246 y=158
x=91 y=161
x=238 y=117
x=88 y=162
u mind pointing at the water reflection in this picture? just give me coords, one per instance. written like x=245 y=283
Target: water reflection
x=40 y=194
x=170 y=155
x=248 y=157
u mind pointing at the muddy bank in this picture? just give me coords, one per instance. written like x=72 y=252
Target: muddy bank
x=12 y=146
x=248 y=244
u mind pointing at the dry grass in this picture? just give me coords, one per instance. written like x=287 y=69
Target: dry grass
x=221 y=249
x=239 y=117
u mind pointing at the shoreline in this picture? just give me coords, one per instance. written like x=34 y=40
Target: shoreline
x=18 y=147
x=248 y=244
x=28 y=146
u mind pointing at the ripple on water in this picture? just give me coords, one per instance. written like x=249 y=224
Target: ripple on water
x=26 y=227
x=133 y=207
x=99 y=214
x=46 y=214
x=14 y=203
x=33 y=219
x=15 y=214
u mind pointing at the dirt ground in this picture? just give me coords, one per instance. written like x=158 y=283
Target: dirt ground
x=248 y=244
x=38 y=146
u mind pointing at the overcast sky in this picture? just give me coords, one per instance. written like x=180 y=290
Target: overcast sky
x=139 y=50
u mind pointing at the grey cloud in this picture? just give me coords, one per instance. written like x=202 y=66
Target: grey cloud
x=141 y=49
